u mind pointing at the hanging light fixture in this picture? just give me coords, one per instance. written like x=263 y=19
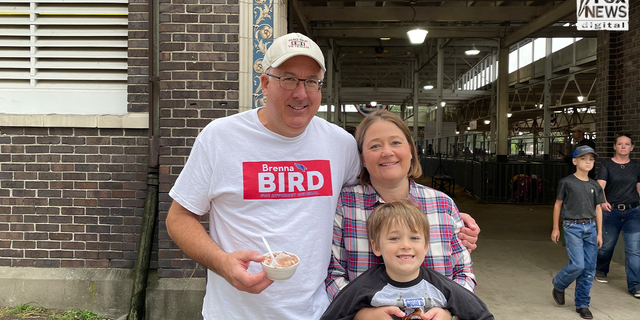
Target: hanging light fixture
x=429 y=86
x=417 y=35
x=580 y=98
x=374 y=103
x=473 y=51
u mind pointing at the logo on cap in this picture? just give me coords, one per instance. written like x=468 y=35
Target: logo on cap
x=298 y=43
x=580 y=150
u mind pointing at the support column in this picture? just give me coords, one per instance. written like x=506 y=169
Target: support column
x=330 y=81
x=493 y=103
x=416 y=83
x=503 y=104
x=548 y=73
x=439 y=107
x=336 y=96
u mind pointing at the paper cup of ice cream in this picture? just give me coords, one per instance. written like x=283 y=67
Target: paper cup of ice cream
x=284 y=267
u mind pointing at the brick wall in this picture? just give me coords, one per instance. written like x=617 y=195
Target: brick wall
x=618 y=98
x=199 y=68
x=138 y=56
x=74 y=197
x=71 y=197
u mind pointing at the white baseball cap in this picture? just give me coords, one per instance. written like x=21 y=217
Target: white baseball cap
x=580 y=127
x=291 y=45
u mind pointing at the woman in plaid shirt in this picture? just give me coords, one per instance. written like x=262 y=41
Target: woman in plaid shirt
x=390 y=163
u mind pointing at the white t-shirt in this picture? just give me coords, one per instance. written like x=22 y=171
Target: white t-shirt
x=256 y=183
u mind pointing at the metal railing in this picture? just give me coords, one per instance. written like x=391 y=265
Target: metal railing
x=525 y=178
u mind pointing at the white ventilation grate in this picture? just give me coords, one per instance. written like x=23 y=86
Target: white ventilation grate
x=78 y=46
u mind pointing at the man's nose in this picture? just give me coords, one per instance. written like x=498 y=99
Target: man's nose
x=300 y=92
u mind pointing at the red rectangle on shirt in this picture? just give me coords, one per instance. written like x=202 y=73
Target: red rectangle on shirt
x=286 y=179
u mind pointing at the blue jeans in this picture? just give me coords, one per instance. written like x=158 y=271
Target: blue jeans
x=582 y=247
x=627 y=221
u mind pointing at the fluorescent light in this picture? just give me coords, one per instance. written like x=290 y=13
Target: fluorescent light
x=487 y=121
x=457 y=132
x=374 y=103
x=566 y=24
x=443 y=103
x=509 y=115
x=580 y=98
x=520 y=133
x=416 y=36
x=384 y=39
x=473 y=51
x=428 y=87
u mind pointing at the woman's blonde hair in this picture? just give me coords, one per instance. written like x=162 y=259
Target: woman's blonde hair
x=397 y=213
x=415 y=171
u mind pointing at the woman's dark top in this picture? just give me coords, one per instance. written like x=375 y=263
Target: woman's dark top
x=621 y=181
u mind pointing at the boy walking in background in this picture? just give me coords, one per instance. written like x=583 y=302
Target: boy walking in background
x=578 y=202
x=399 y=232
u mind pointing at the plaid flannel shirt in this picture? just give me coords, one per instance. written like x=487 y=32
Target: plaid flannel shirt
x=351 y=252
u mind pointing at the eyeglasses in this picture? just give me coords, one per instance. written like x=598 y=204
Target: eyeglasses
x=290 y=83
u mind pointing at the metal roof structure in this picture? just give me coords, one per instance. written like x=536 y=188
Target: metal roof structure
x=368 y=43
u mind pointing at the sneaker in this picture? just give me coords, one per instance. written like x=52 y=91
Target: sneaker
x=585 y=313
x=558 y=296
x=636 y=294
x=601 y=277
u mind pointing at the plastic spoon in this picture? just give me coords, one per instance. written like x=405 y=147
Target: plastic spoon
x=273 y=259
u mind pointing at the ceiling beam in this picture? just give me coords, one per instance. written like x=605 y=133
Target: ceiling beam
x=299 y=17
x=404 y=13
x=558 y=13
x=401 y=32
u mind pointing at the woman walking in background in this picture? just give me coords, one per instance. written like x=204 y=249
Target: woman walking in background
x=620 y=180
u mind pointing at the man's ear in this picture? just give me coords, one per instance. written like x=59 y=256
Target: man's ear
x=264 y=83
x=375 y=249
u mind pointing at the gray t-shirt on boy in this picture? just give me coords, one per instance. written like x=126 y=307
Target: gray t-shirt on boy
x=579 y=198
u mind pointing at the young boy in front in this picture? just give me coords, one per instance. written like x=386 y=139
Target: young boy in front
x=399 y=232
x=578 y=202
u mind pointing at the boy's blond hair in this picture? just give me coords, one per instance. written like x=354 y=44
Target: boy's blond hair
x=398 y=212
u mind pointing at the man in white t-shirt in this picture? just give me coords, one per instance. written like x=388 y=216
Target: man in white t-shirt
x=275 y=172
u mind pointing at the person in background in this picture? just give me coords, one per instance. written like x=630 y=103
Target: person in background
x=429 y=149
x=399 y=233
x=620 y=179
x=578 y=203
x=577 y=133
x=273 y=172
x=389 y=166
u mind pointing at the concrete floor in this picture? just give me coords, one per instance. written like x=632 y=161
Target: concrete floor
x=516 y=260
